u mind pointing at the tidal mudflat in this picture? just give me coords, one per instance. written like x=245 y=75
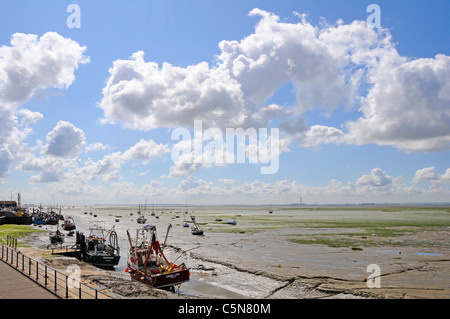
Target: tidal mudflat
x=294 y=252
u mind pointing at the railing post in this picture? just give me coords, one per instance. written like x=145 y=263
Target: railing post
x=23 y=262
x=67 y=288
x=17 y=259
x=29 y=267
x=37 y=271
x=55 y=281
x=45 y=276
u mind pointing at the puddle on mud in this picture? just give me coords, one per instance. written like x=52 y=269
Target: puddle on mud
x=199 y=288
x=424 y=254
x=408 y=253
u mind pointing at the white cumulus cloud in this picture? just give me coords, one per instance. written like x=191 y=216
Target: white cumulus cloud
x=408 y=106
x=65 y=140
x=28 y=65
x=32 y=62
x=403 y=102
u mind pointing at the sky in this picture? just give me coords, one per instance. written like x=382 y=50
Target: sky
x=225 y=102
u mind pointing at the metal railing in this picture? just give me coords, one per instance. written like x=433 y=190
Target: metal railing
x=62 y=285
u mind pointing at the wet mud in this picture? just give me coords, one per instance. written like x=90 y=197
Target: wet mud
x=267 y=264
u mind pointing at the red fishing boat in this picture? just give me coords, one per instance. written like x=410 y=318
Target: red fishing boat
x=148 y=264
x=68 y=224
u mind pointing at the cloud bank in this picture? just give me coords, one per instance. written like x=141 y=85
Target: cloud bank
x=402 y=102
x=30 y=64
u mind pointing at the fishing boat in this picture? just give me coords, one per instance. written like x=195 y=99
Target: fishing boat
x=98 y=249
x=195 y=230
x=148 y=264
x=141 y=219
x=56 y=237
x=53 y=217
x=68 y=224
x=38 y=220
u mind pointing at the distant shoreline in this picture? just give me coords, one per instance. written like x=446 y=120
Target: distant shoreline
x=263 y=206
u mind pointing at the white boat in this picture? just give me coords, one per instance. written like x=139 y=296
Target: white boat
x=232 y=221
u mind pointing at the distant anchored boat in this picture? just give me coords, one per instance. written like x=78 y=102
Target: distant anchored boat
x=232 y=221
x=141 y=220
x=196 y=230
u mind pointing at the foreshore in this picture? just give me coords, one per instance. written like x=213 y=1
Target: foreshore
x=273 y=255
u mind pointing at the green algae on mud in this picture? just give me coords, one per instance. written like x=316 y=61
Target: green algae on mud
x=17 y=231
x=388 y=220
x=351 y=227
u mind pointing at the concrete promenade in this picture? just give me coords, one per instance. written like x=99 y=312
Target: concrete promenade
x=15 y=285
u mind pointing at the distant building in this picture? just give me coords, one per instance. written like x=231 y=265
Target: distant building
x=8 y=204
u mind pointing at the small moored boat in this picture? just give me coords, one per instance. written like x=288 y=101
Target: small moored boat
x=195 y=230
x=56 y=237
x=68 y=224
x=232 y=221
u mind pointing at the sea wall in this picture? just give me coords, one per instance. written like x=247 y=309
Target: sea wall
x=11 y=218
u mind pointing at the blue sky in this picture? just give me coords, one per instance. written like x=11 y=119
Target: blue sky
x=362 y=112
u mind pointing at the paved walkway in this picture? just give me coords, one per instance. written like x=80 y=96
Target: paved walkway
x=15 y=285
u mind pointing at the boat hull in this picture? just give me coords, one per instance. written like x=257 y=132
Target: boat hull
x=56 y=238
x=101 y=261
x=161 y=280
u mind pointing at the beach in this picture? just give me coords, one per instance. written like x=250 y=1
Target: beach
x=292 y=253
